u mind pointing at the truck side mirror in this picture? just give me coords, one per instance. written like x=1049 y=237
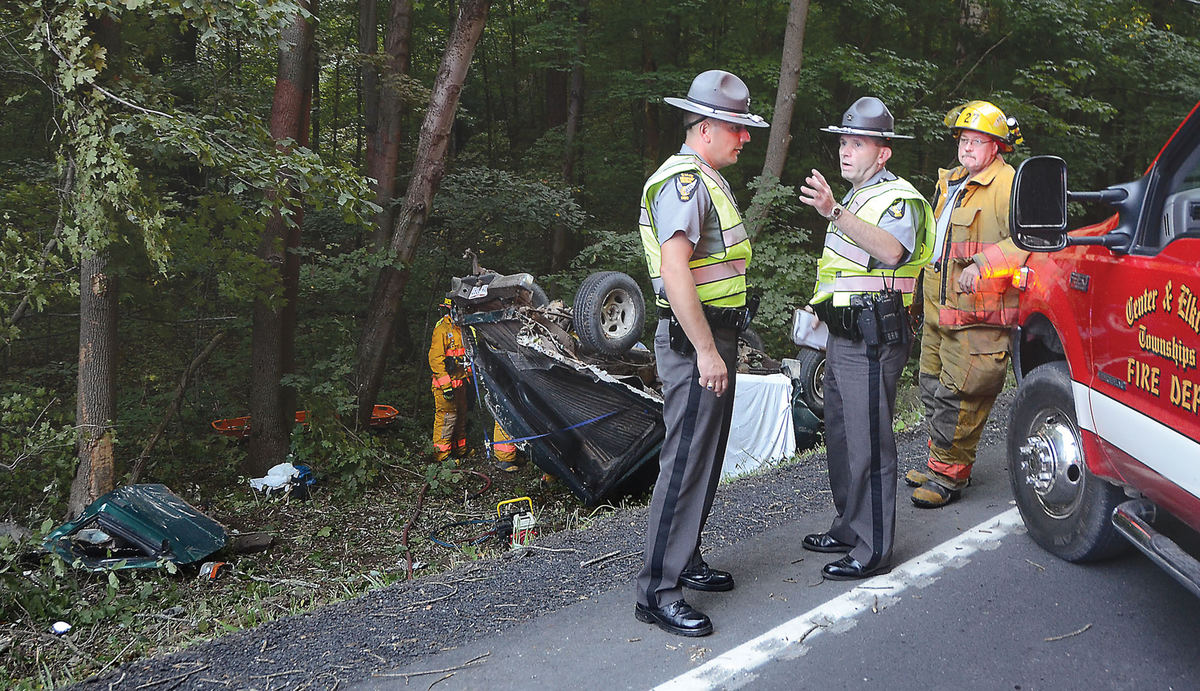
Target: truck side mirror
x=1038 y=209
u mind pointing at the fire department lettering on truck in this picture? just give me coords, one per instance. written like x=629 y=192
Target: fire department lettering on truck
x=1160 y=340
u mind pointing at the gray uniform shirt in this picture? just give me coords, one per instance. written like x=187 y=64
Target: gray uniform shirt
x=900 y=221
x=686 y=205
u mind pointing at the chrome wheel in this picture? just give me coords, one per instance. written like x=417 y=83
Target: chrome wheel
x=1053 y=465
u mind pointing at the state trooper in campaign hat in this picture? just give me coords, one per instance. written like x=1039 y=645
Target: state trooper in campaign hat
x=697 y=249
x=879 y=237
x=720 y=95
x=867 y=117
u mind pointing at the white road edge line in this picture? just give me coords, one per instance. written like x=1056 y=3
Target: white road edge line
x=733 y=669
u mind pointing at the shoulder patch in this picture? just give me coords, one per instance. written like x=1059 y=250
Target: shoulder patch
x=685 y=185
x=896 y=210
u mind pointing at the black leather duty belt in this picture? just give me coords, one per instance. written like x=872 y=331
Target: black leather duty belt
x=719 y=317
x=842 y=321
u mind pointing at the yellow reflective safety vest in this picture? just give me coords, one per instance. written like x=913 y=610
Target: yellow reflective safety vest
x=845 y=269
x=720 y=277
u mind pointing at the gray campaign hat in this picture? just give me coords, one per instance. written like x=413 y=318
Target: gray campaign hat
x=721 y=95
x=868 y=117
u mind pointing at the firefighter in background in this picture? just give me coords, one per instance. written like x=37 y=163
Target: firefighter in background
x=968 y=314
x=504 y=449
x=451 y=374
x=451 y=377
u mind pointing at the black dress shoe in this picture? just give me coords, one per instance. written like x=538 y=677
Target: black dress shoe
x=850 y=569
x=703 y=577
x=824 y=542
x=678 y=618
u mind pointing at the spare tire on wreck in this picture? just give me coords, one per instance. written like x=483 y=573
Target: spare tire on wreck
x=609 y=312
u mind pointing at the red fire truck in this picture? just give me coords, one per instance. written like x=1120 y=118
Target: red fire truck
x=1104 y=438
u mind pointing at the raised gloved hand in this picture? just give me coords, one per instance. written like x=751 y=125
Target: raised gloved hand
x=448 y=393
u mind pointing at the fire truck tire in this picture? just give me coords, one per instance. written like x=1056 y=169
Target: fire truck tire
x=609 y=312
x=1066 y=509
x=812 y=379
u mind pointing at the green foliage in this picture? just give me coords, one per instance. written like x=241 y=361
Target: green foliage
x=441 y=476
x=504 y=214
x=37 y=447
x=346 y=462
x=36 y=270
x=607 y=251
x=783 y=269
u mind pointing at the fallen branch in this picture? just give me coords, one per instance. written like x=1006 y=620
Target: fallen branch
x=406 y=675
x=177 y=677
x=1067 y=635
x=599 y=559
x=549 y=549
x=281 y=581
x=452 y=593
x=408 y=526
x=140 y=463
x=277 y=674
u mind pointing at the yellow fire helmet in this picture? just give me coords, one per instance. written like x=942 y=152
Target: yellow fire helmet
x=982 y=116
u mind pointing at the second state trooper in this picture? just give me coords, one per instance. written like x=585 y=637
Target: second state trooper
x=878 y=238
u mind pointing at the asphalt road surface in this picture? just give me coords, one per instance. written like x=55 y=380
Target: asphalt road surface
x=971 y=604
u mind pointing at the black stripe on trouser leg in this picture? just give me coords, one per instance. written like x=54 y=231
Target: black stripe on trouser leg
x=714 y=478
x=875 y=384
x=678 y=467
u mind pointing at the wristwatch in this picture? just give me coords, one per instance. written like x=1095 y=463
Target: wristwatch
x=835 y=213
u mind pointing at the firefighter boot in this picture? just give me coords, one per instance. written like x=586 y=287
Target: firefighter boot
x=931 y=494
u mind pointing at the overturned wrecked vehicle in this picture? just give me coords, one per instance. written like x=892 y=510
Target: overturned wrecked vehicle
x=137 y=527
x=577 y=387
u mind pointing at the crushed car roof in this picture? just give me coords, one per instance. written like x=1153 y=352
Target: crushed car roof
x=137 y=526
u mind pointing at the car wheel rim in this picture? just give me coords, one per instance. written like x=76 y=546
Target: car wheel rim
x=1052 y=463
x=616 y=314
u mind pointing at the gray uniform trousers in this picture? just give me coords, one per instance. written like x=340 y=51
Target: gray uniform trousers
x=860 y=397
x=689 y=466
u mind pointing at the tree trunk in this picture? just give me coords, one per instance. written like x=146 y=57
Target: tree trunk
x=555 y=77
x=650 y=108
x=272 y=347
x=96 y=404
x=96 y=388
x=315 y=111
x=559 y=249
x=785 y=97
x=427 y=171
x=383 y=144
x=368 y=45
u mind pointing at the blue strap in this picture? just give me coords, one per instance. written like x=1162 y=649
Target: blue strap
x=487 y=440
x=561 y=429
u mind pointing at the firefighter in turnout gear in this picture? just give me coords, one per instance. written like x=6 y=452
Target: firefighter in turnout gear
x=878 y=238
x=451 y=375
x=968 y=313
